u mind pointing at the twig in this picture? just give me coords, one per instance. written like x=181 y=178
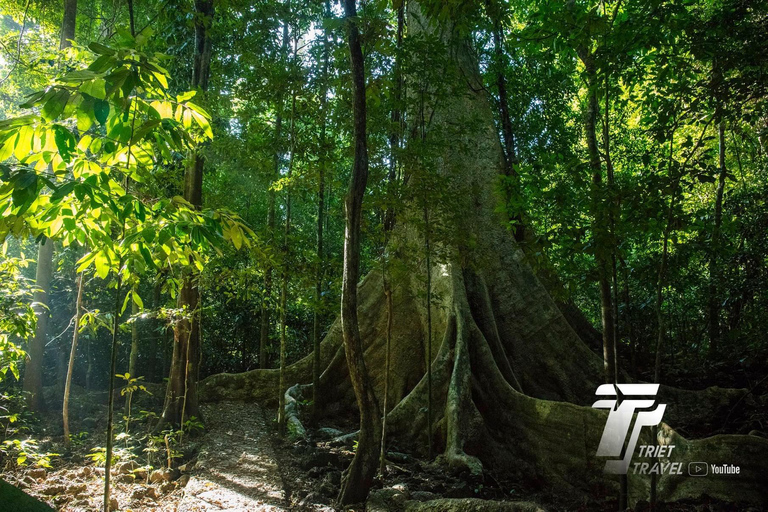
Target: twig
x=18 y=44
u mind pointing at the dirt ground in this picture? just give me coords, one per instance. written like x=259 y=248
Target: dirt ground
x=241 y=464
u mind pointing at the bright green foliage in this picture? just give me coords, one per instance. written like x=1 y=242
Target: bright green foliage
x=95 y=136
x=17 y=319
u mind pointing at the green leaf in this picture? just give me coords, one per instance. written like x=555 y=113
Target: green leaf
x=100 y=49
x=63 y=191
x=102 y=265
x=137 y=300
x=126 y=300
x=85 y=261
x=17 y=121
x=102 y=64
x=85 y=117
x=80 y=75
x=95 y=88
x=55 y=105
x=32 y=99
x=65 y=142
x=181 y=98
x=101 y=111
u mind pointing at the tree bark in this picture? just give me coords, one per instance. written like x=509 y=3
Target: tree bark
x=600 y=226
x=281 y=423
x=358 y=477
x=319 y=271
x=68 y=24
x=714 y=269
x=157 y=335
x=181 y=401
x=266 y=308
x=133 y=358
x=111 y=389
x=72 y=354
x=33 y=373
x=389 y=221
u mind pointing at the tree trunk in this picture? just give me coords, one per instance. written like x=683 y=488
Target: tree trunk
x=319 y=271
x=111 y=389
x=133 y=358
x=68 y=23
x=181 y=401
x=358 y=477
x=266 y=308
x=72 y=354
x=601 y=223
x=389 y=222
x=33 y=373
x=281 y=424
x=714 y=269
x=157 y=335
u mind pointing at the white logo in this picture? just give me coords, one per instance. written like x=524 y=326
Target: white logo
x=620 y=418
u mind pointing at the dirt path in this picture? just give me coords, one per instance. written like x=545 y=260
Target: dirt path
x=237 y=468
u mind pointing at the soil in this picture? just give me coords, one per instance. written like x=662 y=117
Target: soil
x=240 y=464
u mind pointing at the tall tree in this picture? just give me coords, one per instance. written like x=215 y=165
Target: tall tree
x=320 y=270
x=358 y=478
x=72 y=354
x=389 y=218
x=33 y=375
x=181 y=401
x=714 y=269
x=281 y=420
x=266 y=307
x=601 y=221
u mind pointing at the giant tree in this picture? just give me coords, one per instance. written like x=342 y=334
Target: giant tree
x=493 y=313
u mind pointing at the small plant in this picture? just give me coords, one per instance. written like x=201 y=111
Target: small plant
x=25 y=452
x=78 y=440
x=132 y=384
x=193 y=425
x=15 y=416
x=99 y=455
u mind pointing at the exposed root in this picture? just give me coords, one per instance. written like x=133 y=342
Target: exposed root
x=293 y=423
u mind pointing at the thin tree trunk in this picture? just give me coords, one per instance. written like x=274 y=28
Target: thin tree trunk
x=660 y=294
x=68 y=23
x=284 y=285
x=181 y=401
x=389 y=221
x=316 y=369
x=133 y=359
x=358 y=477
x=111 y=395
x=511 y=158
x=157 y=335
x=265 y=306
x=428 y=251
x=714 y=269
x=72 y=354
x=33 y=373
x=601 y=228
x=131 y=20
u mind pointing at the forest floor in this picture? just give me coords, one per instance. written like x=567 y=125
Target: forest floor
x=240 y=464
